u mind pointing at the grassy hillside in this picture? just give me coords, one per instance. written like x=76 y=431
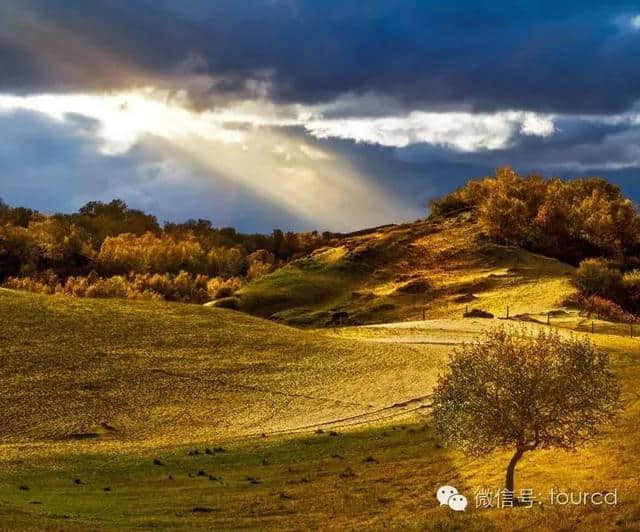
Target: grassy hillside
x=95 y=391
x=394 y=273
x=171 y=373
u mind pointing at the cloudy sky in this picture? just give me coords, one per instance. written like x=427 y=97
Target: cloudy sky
x=306 y=114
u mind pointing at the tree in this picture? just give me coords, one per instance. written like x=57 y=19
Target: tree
x=524 y=391
x=102 y=220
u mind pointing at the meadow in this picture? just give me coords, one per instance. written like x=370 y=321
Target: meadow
x=150 y=414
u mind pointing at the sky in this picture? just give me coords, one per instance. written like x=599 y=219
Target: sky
x=301 y=114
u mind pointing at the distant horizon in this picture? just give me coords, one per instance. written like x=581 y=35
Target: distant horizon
x=268 y=230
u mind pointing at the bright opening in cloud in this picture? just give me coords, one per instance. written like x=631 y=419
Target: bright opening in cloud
x=239 y=144
x=248 y=143
x=124 y=118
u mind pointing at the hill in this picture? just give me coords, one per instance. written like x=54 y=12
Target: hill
x=440 y=266
x=158 y=372
x=149 y=414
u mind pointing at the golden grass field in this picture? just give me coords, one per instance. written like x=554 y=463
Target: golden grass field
x=318 y=428
x=370 y=277
x=123 y=414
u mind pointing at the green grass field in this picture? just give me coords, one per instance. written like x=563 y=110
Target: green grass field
x=318 y=428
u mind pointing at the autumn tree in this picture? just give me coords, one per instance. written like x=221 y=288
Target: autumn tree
x=17 y=216
x=101 y=220
x=519 y=390
x=61 y=244
x=567 y=219
x=510 y=206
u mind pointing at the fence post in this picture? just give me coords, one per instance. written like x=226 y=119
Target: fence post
x=507 y=311
x=591 y=326
x=548 y=319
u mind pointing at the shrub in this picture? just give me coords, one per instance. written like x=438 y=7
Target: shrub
x=477 y=313
x=601 y=308
x=415 y=286
x=232 y=303
x=28 y=284
x=595 y=277
x=75 y=286
x=223 y=291
x=115 y=286
x=183 y=287
x=219 y=288
x=631 y=287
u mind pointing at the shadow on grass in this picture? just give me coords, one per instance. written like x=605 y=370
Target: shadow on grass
x=386 y=476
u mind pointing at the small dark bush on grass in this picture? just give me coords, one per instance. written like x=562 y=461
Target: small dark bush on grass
x=417 y=286
x=232 y=303
x=478 y=313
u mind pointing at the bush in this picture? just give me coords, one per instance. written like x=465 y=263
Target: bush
x=183 y=287
x=631 y=287
x=115 y=286
x=601 y=308
x=223 y=291
x=28 y=284
x=595 y=277
x=219 y=288
x=478 y=313
x=232 y=303
x=415 y=286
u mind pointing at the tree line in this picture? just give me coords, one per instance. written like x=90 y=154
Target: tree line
x=110 y=249
x=571 y=220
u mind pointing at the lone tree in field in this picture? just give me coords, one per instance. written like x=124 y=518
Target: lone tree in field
x=524 y=391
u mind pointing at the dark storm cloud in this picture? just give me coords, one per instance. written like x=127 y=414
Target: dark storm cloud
x=551 y=56
x=375 y=58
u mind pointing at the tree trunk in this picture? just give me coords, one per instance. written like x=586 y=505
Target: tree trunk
x=511 y=469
